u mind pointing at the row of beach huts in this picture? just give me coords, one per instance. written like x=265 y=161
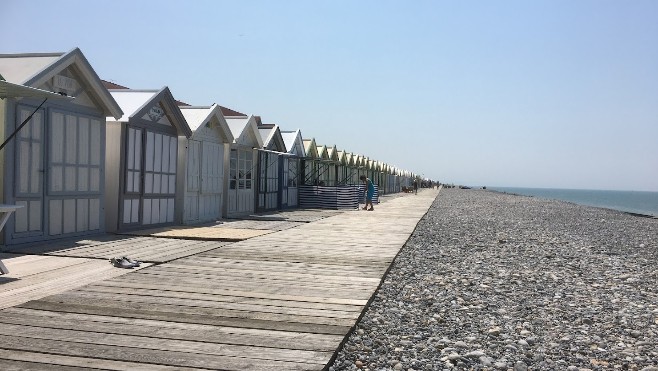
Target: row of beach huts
x=98 y=157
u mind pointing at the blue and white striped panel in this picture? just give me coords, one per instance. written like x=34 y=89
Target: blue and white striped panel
x=320 y=197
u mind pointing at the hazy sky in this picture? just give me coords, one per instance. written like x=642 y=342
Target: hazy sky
x=559 y=93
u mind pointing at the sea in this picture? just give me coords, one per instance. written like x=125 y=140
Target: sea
x=636 y=202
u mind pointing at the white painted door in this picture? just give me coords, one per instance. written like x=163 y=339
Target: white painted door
x=193 y=181
x=159 y=178
x=284 y=182
x=132 y=177
x=293 y=181
x=212 y=180
x=268 y=180
x=29 y=177
x=150 y=177
x=241 y=192
x=74 y=174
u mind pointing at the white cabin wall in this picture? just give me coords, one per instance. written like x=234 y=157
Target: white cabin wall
x=3 y=169
x=225 y=185
x=3 y=123
x=112 y=174
x=181 y=174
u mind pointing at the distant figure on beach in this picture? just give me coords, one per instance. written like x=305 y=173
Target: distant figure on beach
x=415 y=186
x=370 y=192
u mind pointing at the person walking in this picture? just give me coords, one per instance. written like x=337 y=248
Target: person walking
x=415 y=186
x=370 y=192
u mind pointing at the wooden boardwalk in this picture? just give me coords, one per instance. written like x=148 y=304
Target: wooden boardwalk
x=280 y=301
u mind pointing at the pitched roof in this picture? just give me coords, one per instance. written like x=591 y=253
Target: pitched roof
x=230 y=112
x=244 y=128
x=294 y=142
x=272 y=138
x=135 y=103
x=37 y=69
x=225 y=111
x=310 y=148
x=110 y=85
x=19 y=68
x=196 y=117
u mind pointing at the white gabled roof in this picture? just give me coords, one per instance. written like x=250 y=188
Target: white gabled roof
x=19 y=68
x=243 y=129
x=135 y=104
x=131 y=101
x=294 y=143
x=36 y=69
x=310 y=149
x=272 y=138
x=197 y=116
x=266 y=135
x=237 y=124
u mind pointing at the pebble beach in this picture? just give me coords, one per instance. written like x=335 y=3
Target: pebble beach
x=493 y=281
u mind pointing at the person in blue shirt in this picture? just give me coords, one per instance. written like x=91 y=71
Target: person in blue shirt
x=370 y=192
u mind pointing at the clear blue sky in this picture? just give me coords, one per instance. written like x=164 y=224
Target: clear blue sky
x=557 y=93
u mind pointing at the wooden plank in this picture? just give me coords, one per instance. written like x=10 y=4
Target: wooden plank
x=213 y=259
x=162 y=344
x=207 y=302
x=297 y=280
x=72 y=273
x=140 y=248
x=27 y=360
x=207 y=317
x=171 y=330
x=233 y=292
x=20 y=365
x=261 y=287
x=200 y=233
x=149 y=356
x=354 y=277
x=218 y=297
x=173 y=310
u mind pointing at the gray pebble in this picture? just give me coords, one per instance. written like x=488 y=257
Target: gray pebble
x=569 y=285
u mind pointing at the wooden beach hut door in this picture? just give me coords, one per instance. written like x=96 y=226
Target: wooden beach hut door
x=292 y=181
x=58 y=174
x=241 y=192
x=205 y=169
x=268 y=187
x=150 y=177
x=29 y=175
x=283 y=180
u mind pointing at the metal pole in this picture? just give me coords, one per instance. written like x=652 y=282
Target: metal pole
x=21 y=125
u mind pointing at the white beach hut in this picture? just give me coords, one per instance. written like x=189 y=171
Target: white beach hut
x=291 y=168
x=309 y=164
x=269 y=167
x=145 y=155
x=53 y=165
x=323 y=165
x=332 y=154
x=207 y=150
x=241 y=191
x=341 y=167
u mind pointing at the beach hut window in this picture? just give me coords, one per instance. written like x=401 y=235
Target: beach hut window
x=293 y=166
x=75 y=154
x=160 y=168
x=246 y=162
x=234 y=169
x=133 y=161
